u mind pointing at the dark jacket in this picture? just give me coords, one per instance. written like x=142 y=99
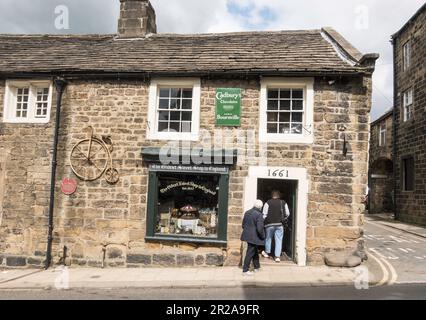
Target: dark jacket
x=275 y=212
x=253 y=228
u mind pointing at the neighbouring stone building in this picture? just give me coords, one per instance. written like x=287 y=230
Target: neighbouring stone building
x=242 y=114
x=381 y=182
x=410 y=119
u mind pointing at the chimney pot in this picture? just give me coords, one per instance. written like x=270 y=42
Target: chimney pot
x=137 y=19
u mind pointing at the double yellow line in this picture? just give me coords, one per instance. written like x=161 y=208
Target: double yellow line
x=389 y=273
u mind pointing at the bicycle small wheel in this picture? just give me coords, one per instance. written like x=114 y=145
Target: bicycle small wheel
x=89 y=165
x=112 y=176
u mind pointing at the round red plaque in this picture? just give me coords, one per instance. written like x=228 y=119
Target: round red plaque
x=68 y=186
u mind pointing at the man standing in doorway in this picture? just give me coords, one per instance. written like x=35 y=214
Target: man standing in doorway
x=254 y=235
x=275 y=212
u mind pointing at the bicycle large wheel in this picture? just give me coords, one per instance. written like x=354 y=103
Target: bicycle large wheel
x=89 y=165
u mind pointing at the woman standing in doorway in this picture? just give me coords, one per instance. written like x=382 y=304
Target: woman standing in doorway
x=275 y=212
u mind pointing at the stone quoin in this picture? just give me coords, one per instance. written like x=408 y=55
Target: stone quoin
x=305 y=99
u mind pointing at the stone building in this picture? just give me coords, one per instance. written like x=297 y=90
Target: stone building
x=410 y=119
x=381 y=182
x=197 y=126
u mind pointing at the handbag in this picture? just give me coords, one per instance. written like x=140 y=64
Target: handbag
x=284 y=218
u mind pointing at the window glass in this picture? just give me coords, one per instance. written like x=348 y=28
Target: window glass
x=382 y=134
x=22 y=95
x=42 y=100
x=178 y=103
x=285 y=111
x=406 y=56
x=188 y=205
x=408 y=104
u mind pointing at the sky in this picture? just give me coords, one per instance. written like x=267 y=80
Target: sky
x=367 y=24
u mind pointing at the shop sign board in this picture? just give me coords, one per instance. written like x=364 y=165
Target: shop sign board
x=228 y=107
x=189 y=168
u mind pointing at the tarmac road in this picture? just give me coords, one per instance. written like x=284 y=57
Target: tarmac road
x=395 y=256
x=397 y=292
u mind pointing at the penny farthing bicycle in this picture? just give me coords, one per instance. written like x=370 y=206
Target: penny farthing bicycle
x=90 y=158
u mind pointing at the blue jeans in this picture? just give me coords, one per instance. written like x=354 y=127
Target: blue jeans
x=278 y=233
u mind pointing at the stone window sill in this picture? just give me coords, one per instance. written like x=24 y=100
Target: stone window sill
x=187 y=240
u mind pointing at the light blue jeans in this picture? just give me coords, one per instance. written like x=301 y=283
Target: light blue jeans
x=278 y=233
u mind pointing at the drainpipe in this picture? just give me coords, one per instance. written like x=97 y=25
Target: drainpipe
x=60 y=85
x=394 y=144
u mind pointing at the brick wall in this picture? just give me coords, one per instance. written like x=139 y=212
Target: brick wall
x=411 y=135
x=103 y=220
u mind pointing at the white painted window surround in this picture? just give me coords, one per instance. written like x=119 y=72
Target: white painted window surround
x=382 y=134
x=408 y=104
x=27 y=101
x=307 y=84
x=156 y=84
x=406 y=60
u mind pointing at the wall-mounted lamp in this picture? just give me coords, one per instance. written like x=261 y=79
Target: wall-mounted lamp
x=345 y=145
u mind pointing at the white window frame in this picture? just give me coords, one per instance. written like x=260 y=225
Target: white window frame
x=307 y=84
x=406 y=56
x=10 y=100
x=152 y=131
x=382 y=134
x=407 y=102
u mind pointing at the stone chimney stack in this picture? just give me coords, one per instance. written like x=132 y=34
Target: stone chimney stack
x=137 y=19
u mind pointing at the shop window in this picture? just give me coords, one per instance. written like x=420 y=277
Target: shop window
x=382 y=135
x=286 y=113
x=27 y=101
x=188 y=207
x=408 y=174
x=174 y=109
x=408 y=104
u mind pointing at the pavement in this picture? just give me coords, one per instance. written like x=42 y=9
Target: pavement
x=226 y=277
x=388 y=219
x=397 y=255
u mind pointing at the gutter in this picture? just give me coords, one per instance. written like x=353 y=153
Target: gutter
x=91 y=75
x=60 y=85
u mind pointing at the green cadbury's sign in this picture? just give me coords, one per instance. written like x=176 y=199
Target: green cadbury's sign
x=228 y=107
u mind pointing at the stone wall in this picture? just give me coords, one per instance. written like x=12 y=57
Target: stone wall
x=381 y=168
x=376 y=151
x=411 y=135
x=26 y=160
x=105 y=225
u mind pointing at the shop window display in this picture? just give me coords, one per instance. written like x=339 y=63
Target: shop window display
x=188 y=205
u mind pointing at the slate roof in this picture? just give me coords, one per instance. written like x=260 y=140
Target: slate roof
x=314 y=51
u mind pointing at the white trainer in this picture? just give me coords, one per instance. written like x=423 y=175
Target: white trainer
x=265 y=255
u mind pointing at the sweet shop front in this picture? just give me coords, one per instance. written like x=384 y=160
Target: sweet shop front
x=187 y=202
